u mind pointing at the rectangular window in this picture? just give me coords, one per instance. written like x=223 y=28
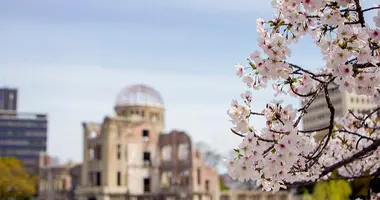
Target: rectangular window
x=199 y=176
x=98 y=179
x=207 y=185
x=241 y=197
x=146 y=184
x=145 y=135
x=91 y=178
x=118 y=178
x=118 y=152
x=98 y=152
x=91 y=153
x=146 y=157
x=256 y=197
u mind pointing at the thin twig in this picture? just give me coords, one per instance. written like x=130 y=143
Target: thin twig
x=315 y=130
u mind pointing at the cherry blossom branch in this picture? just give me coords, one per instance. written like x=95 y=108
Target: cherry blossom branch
x=256 y=113
x=298 y=94
x=315 y=130
x=372 y=8
x=312 y=75
x=369 y=115
x=352 y=158
x=331 y=126
x=353 y=133
x=235 y=132
x=306 y=183
x=303 y=110
x=267 y=150
x=262 y=139
x=360 y=13
x=351 y=53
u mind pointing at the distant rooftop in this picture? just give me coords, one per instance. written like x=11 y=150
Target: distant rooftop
x=11 y=114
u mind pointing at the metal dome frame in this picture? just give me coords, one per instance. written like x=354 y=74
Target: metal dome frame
x=139 y=95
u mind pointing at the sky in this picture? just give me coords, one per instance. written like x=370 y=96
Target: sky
x=70 y=59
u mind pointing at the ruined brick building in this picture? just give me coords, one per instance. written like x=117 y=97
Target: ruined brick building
x=129 y=155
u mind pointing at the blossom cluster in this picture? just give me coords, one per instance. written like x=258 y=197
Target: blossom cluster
x=282 y=152
x=269 y=156
x=350 y=138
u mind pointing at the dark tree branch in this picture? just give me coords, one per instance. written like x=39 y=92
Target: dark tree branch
x=331 y=126
x=370 y=114
x=348 y=160
x=256 y=113
x=315 y=130
x=372 y=8
x=303 y=110
x=267 y=150
x=360 y=13
x=235 y=132
x=353 y=133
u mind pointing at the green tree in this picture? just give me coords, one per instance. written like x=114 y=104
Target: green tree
x=15 y=182
x=223 y=186
x=332 y=190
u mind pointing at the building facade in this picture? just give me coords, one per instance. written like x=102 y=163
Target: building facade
x=75 y=175
x=23 y=136
x=318 y=114
x=122 y=155
x=183 y=170
x=57 y=181
x=54 y=182
x=8 y=99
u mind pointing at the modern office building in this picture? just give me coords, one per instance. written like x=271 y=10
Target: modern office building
x=318 y=114
x=22 y=135
x=8 y=99
x=128 y=156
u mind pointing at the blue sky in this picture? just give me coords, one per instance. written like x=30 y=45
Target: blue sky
x=70 y=59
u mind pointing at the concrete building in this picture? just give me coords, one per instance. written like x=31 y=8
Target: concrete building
x=8 y=99
x=57 y=181
x=75 y=175
x=123 y=154
x=183 y=170
x=54 y=182
x=23 y=136
x=318 y=114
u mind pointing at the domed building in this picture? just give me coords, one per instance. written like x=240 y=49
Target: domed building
x=141 y=102
x=128 y=156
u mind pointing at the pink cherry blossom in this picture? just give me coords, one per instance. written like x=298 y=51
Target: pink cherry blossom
x=282 y=151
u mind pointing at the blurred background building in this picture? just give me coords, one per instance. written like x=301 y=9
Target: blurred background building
x=129 y=155
x=22 y=135
x=57 y=181
x=8 y=99
x=318 y=114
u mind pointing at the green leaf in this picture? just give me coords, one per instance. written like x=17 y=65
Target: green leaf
x=281 y=23
x=252 y=65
